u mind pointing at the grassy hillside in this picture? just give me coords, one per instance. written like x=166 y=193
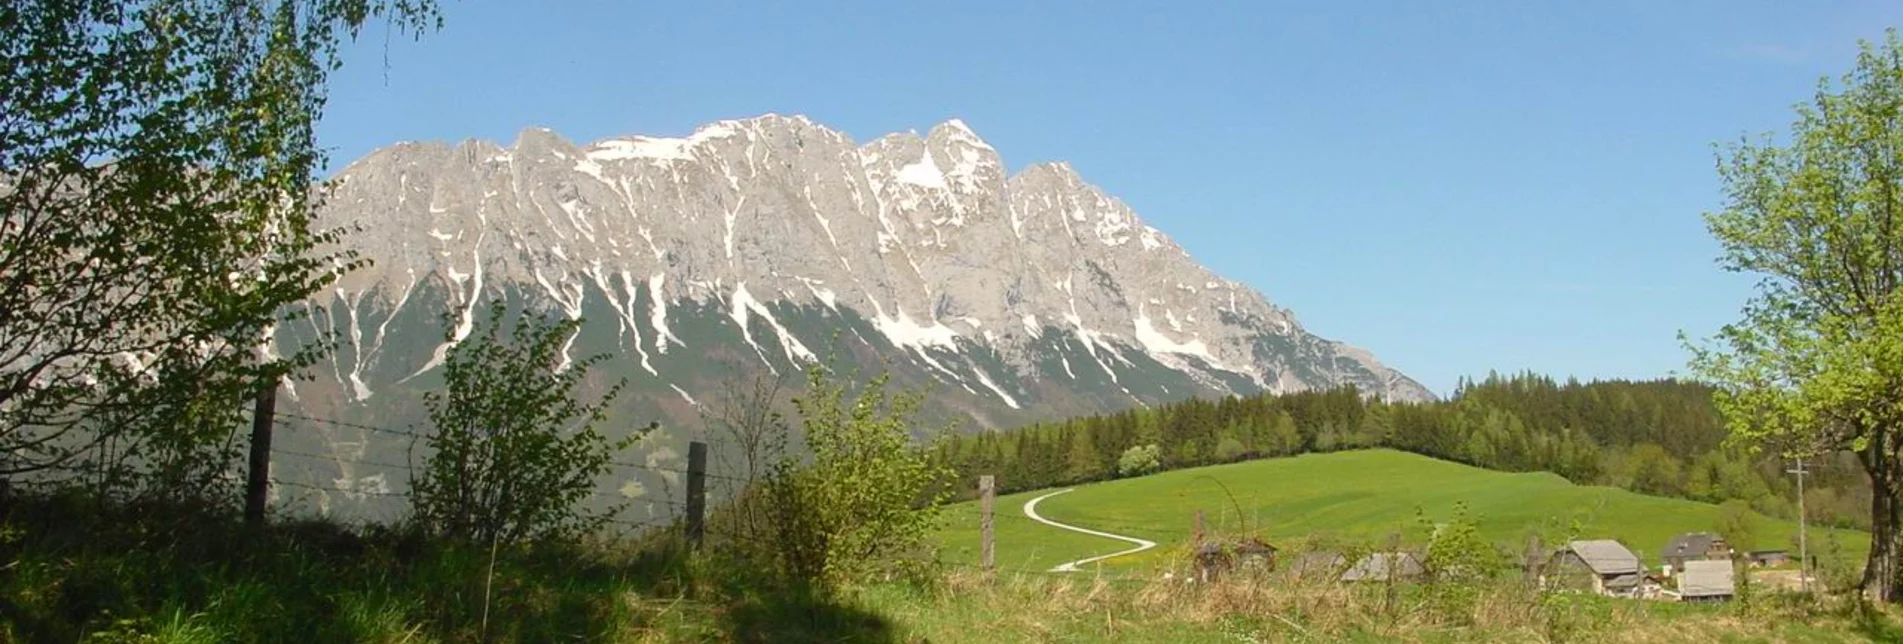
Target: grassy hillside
x=1358 y=497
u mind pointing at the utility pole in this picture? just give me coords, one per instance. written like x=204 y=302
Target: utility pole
x=988 y=548
x=1803 y=543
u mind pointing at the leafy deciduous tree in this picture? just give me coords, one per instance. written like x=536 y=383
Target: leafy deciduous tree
x=156 y=216
x=1816 y=363
x=1139 y=460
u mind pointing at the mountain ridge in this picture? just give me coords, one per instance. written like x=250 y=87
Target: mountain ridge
x=755 y=247
x=924 y=234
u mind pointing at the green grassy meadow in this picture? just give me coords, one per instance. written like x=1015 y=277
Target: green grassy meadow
x=1358 y=497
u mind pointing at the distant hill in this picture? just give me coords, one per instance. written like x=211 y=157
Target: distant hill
x=1357 y=497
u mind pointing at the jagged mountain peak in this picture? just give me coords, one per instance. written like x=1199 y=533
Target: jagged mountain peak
x=755 y=247
x=768 y=240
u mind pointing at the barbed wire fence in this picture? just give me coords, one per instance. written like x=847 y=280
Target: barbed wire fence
x=681 y=514
x=358 y=476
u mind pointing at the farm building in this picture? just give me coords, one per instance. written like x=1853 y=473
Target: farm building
x=1256 y=553
x=1693 y=546
x=1707 y=580
x=1768 y=558
x=1214 y=558
x=1382 y=566
x=1321 y=564
x=1211 y=561
x=1601 y=566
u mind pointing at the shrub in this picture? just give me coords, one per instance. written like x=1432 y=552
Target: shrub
x=1139 y=460
x=513 y=453
x=865 y=498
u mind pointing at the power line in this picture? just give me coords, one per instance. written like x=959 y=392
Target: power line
x=415 y=435
x=340 y=423
x=325 y=488
x=339 y=459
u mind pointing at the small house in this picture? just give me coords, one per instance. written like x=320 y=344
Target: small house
x=1707 y=580
x=1211 y=561
x=1213 y=558
x=1385 y=566
x=1768 y=558
x=1651 y=586
x=1601 y=566
x=1319 y=564
x=1694 y=546
x=1256 y=554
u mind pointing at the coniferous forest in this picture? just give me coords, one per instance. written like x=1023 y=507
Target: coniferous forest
x=1659 y=437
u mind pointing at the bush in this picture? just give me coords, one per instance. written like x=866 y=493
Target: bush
x=1459 y=560
x=866 y=500
x=1139 y=460
x=504 y=464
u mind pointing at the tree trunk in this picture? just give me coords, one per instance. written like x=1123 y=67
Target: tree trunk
x=1883 y=573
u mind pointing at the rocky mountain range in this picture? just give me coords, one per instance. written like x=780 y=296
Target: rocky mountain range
x=756 y=246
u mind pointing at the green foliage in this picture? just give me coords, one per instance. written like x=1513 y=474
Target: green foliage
x=1816 y=363
x=866 y=498
x=1354 y=496
x=1282 y=437
x=1661 y=437
x=1459 y=561
x=513 y=453
x=1649 y=469
x=1835 y=566
x=121 y=574
x=97 y=576
x=1084 y=462
x=1735 y=524
x=156 y=221
x=1229 y=450
x=1138 y=461
x=1457 y=551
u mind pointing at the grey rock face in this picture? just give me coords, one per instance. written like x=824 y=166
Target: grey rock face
x=1012 y=290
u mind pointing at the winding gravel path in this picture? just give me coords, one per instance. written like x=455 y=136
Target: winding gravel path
x=1030 y=510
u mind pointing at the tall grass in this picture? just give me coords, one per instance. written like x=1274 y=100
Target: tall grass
x=73 y=571
x=1275 y=608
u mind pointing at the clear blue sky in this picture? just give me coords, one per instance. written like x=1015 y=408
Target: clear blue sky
x=1457 y=186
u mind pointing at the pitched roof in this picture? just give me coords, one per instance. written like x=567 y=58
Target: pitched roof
x=1605 y=556
x=1254 y=546
x=1707 y=578
x=1318 y=562
x=1376 y=567
x=1690 y=544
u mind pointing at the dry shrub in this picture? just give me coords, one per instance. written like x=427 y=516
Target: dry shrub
x=1277 y=607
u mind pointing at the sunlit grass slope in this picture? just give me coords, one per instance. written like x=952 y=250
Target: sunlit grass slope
x=1356 y=497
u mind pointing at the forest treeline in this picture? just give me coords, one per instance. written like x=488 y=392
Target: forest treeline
x=1659 y=437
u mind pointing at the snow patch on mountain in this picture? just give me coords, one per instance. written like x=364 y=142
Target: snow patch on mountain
x=986 y=381
x=928 y=239
x=745 y=305
x=1155 y=342
x=923 y=173
x=904 y=332
x=657 y=298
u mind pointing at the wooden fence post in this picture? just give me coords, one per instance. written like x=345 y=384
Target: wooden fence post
x=696 y=493
x=987 y=493
x=258 y=480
